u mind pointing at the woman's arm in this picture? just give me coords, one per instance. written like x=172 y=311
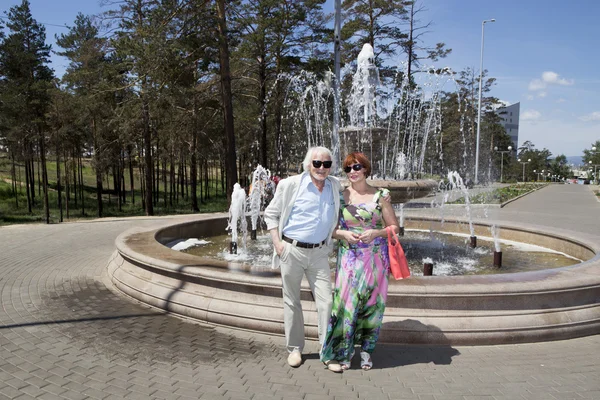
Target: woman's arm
x=348 y=236
x=389 y=217
x=343 y=234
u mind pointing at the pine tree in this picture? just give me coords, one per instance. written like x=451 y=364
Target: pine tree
x=376 y=22
x=24 y=58
x=413 y=45
x=85 y=78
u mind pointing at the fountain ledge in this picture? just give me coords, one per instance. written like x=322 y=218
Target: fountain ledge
x=524 y=307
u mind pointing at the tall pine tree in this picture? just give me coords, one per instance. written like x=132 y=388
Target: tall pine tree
x=24 y=58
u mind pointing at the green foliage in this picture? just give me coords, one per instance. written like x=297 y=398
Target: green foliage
x=146 y=86
x=15 y=210
x=501 y=195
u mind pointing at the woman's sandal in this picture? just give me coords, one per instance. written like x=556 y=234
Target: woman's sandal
x=365 y=361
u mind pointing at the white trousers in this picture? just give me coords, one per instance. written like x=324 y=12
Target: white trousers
x=295 y=263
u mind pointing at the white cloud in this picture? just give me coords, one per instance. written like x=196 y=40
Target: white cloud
x=542 y=94
x=549 y=78
x=530 y=97
x=530 y=115
x=595 y=116
x=552 y=78
x=561 y=100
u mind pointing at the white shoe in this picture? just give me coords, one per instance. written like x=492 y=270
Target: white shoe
x=333 y=366
x=295 y=358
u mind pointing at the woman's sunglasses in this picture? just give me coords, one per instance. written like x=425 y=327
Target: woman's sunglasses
x=356 y=167
x=325 y=164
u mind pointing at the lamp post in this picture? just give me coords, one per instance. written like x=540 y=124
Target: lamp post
x=479 y=106
x=594 y=165
x=502 y=159
x=524 y=162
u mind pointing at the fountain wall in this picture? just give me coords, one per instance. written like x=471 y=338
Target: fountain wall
x=521 y=307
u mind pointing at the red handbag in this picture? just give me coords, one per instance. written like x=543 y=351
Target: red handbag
x=398 y=263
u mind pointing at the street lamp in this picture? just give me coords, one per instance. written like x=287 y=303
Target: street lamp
x=479 y=106
x=524 y=162
x=502 y=159
x=594 y=165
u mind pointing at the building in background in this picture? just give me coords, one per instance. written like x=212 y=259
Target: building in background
x=509 y=119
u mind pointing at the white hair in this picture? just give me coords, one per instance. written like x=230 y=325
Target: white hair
x=315 y=150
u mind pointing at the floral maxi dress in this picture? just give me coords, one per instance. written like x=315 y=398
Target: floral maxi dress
x=361 y=284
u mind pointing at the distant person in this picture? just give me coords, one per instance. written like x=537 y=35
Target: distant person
x=361 y=282
x=301 y=219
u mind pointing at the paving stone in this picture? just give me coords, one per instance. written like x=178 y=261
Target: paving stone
x=113 y=348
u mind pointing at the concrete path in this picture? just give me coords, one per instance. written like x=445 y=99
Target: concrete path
x=64 y=333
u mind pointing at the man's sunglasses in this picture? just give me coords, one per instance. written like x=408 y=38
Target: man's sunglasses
x=325 y=164
x=356 y=167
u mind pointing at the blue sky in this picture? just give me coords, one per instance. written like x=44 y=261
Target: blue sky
x=544 y=53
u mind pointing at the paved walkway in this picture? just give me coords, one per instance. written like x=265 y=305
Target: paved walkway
x=64 y=334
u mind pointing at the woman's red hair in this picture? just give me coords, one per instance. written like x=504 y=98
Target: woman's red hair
x=358 y=158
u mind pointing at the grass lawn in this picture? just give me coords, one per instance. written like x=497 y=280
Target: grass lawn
x=501 y=195
x=14 y=211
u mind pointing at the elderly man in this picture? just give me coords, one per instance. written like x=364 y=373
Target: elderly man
x=301 y=218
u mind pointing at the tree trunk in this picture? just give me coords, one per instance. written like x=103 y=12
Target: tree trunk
x=58 y=183
x=31 y=172
x=97 y=154
x=171 y=179
x=13 y=175
x=164 y=176
x=67 y=184
x=156 y=171
x=44 y=172
x=230 y=155
x=147 y=135
x=262 y=74
x=81 y=185
x=131 y=181
x=27 y=186
x=193 y=161
x=75 y=169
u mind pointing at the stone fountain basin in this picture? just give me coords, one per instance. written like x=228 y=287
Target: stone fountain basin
x=521 y=307
x=403 y=191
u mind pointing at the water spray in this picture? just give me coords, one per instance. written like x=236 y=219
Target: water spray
x=237 y=215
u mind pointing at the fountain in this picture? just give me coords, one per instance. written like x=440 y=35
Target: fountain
x=548 y=304
x=497 y=251
x=237 y=217
x=261 y=184
x=390 y=124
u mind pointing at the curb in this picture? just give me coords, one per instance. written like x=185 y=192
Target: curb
x=523 y=195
